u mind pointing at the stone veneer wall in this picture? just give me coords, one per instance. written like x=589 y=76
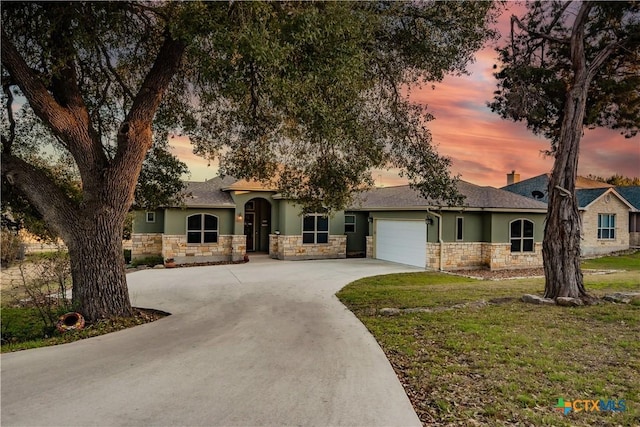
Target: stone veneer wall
x=634 y=239
x=369 y=250
x=495 y=256
x=502 y=258
x=591 y=245
x=228 y=248
x=292 y=248
x=146 y=244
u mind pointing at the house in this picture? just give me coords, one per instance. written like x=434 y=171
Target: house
x=605 y=214
x=222 y=219
x=632 y=195
x=493 y=229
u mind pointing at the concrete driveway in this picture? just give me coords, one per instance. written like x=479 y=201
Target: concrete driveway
x=260 y=344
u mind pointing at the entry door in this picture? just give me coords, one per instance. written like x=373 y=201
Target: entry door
x=249 y=230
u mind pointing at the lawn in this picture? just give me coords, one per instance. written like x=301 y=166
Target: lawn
x=506 y=363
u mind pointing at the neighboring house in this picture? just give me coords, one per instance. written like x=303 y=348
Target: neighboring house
x=632 y=195
x=604 y=212
x=222 y=219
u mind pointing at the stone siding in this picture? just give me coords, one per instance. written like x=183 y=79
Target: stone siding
x=501 y=257
x=145 y=245
x=634 y=239
x=369 y=249
x=607 y=204
x=292 y=248
x=228 y=248
x=472 y=255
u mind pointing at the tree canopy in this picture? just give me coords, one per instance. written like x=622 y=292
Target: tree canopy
x=536 y=67
x=569 y=66
x=308 y=95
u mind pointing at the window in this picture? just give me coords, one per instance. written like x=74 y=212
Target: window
x=606 y=226
x=202 y=228
x=459 y=228
x=521 y=235
x=349 y=223
x=315 y=229
x=151 y=216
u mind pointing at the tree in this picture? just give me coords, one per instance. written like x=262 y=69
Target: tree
x=569 y=66
x=310 y=90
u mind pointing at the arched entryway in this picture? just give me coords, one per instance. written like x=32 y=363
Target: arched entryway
x=257 y=224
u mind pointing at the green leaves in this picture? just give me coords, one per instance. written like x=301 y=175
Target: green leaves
x=537 y=68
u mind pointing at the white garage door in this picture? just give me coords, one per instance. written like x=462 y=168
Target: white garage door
x=401 y=241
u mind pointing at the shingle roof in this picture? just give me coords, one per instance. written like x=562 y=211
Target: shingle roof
x=587 y=196
x=404 y=197
x=631 y=194
x=587 y=190
x=209 y=194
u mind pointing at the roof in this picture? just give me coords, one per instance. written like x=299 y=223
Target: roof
x=209 y=194
x=588 y=196
x=632 y=194
x=248 y=185
x=476 y=197
x=587 y=190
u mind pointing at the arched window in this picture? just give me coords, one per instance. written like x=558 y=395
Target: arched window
x=521 y=235
x=202 y=228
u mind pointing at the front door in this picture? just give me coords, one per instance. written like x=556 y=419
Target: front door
x=249 y=230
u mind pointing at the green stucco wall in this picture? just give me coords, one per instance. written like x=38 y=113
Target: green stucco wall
x=140 y=224
x=290 y=220
x=500 y=225
x=242 y=198
x=477 y=226
x=176 y=220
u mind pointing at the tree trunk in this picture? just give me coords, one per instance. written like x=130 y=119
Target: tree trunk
x=562 y=233
x=97 y=268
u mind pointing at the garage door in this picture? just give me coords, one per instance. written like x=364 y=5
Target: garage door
x=401 y=241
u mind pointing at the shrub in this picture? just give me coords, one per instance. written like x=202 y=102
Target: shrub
x=10 y=247
x=149 y=261
x=127 y=256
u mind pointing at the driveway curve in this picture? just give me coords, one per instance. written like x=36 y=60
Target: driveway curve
x=265 y=343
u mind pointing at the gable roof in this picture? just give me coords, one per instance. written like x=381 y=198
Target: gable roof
x=587 y=190
x=209 y=194
x=248 y=185
x=632 y=194
x=476 y=198
x=589 y=195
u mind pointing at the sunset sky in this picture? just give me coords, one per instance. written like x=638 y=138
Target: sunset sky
x=483 y=147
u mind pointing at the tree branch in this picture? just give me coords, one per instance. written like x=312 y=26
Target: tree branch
x=52 y=203
x=515 y=20
x=601 y=57
x=40 y=100
x=114 y=73
x=7 y=141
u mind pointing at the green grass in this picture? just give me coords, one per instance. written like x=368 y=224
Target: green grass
x=619 y=262
x=508 y=362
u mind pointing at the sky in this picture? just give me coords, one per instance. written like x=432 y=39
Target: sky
x=483 y=147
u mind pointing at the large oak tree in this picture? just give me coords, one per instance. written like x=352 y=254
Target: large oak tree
x=569 y=66
x=307 y=94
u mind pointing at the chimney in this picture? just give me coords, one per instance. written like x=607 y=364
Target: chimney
x=513 y=177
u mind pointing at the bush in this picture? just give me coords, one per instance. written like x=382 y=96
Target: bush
x=10 y=248
x=39 y=298
x=149 y=261
x=127 y=256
